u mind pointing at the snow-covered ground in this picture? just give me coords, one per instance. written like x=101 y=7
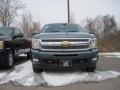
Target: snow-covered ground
x=114 y=54
x=24 y=75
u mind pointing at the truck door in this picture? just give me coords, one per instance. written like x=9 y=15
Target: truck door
x=20 y=41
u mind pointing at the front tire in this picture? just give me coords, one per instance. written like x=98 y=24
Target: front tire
x=8 y=64
x=91 y=69
x=29 y=55
x=36 y=69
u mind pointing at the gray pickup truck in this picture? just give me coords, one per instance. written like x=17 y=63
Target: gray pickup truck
x=64 y=46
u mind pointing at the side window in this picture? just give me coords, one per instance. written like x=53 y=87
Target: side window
x=17 y=31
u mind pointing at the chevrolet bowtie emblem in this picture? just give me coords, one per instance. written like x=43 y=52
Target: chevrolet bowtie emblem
x=65 y=44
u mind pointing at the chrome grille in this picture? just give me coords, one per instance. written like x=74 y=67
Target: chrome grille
x=61 y=40
x=75 y=44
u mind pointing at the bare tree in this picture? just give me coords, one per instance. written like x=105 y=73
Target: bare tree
x=72 y=18
x=28 y=25
x=102 y=26
x=110 y=25
x=36 y=27
x=9 y=10
x=106 y=30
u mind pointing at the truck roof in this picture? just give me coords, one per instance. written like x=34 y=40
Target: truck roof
x=61 y=24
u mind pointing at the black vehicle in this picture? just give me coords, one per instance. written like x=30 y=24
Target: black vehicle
x=64 y=46
x=12 y=43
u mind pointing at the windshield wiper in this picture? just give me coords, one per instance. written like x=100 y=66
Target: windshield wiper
x=55 y=31
x=72 y=31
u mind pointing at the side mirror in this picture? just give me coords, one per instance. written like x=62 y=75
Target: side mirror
x=90 y=32
x=87 y=31
x=35 y=33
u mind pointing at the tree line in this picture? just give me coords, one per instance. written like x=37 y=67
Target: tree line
x=107 y=32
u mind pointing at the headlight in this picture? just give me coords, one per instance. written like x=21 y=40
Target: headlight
x=1 y=45
x=93 y=43
x=35 y=43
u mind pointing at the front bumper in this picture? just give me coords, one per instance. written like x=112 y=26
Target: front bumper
x=52 y=60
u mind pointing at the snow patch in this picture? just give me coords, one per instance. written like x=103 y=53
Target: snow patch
x=115 y=54
x=24 y=75
x=55 y=79
x=23 y=55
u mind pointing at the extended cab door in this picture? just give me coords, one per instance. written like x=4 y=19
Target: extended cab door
x=19 y=40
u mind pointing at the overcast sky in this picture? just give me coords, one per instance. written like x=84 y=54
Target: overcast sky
x=52 y=11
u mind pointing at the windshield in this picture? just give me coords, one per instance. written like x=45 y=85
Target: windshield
x=5 y=31
x=54 y=28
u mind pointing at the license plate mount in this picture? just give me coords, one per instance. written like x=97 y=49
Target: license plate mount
x=66 y=63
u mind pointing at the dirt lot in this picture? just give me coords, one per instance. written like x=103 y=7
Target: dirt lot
x=105 y=63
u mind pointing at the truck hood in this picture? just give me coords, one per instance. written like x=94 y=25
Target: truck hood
x=5 y=38
x=63 y=35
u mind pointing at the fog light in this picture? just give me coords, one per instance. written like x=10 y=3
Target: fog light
x=49 y=61
x=81 y=61
x=94 y=59
x=35 y=60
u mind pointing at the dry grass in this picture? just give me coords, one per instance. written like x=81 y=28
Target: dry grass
x=109 y=43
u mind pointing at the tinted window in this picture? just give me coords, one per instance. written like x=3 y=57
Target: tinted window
x=17 y=31
x=5 y=31
x=54 y=28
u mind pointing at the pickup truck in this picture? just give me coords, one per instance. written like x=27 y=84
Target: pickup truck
x=12 y=44
x=64 y=46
